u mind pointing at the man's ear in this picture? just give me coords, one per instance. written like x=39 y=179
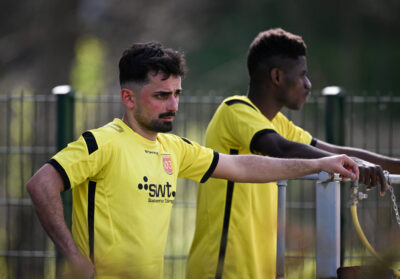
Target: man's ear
x=127 y=96
x=276 y=76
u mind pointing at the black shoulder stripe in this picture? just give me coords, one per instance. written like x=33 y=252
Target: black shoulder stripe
x=90 y=142
x=256 y=135
x=211 y=168
x=186 y=140
x=236 y=101
x=63 y=174
x=313 y=142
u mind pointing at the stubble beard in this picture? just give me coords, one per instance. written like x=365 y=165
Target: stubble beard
x=160 y=126
x=154 y=125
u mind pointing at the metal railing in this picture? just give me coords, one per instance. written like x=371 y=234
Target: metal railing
x=327 y=254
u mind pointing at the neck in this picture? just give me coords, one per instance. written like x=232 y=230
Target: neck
x=263 y=98
x=135 y=126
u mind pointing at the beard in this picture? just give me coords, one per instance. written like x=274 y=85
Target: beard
x=155 y=125
x=159 y=126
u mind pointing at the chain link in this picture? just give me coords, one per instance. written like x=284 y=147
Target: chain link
x=395 y=208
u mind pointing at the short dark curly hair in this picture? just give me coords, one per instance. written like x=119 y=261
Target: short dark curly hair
x=142 y=58
x=274 y=42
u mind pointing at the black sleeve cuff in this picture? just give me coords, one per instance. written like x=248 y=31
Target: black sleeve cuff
x=313 y=142
x=61 y=171
x=211 y=169
x=256 y=135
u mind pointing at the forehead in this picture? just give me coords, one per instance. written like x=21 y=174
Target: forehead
x=299 y=64
x=157 y=82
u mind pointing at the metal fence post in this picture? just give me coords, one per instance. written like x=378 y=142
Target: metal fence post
x=280 y=251
x=65 y=134
x=328 y=229
x=328 y=247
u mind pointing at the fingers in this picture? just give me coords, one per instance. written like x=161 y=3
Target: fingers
x=343 y=165
x=346 y=174
x=351 y=168
x=371 y=176
x=382 y=181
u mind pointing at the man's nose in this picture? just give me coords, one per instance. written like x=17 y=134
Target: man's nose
x=307 y=83
x=173 y=103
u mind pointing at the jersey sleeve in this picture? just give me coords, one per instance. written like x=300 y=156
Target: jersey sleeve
x=294 y=133
x=242 y=122
x=196 y=162
x=79 y=161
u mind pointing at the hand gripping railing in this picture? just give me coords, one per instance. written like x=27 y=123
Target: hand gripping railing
x=328 y=221
x=357 y=196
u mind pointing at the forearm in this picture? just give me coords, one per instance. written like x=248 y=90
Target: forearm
x=300 y=150
x=258 y=169
x=50 y=212
x=250 y=168
x=48 y=206
x=387 y=163
x=274 y=145
x=44 y=188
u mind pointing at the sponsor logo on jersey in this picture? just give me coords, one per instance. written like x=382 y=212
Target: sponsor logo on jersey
x=151 y=152
x=167 y=163
x=158 y=193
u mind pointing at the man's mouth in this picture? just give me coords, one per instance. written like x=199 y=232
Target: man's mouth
x=167 y=116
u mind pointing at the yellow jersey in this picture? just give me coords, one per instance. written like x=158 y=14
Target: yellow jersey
x=123 y=190
x=236 y=223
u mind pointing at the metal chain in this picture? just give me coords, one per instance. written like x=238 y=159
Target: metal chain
x=395 y=208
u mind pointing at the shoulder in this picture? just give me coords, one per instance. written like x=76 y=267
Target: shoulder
x=171 y=139
x=239 y=101
x=104 y=135
x=281 y=117
x=235 y=106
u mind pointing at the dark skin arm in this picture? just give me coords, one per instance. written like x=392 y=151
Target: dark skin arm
x=371 y=174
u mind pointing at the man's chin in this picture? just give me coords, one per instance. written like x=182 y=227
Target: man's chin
x=295 y=107
x=163 y=127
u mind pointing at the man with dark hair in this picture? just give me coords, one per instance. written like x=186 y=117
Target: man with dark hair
x=123 y=175
x=236 y=223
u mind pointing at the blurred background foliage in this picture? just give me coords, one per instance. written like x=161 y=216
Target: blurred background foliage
x=44 y=43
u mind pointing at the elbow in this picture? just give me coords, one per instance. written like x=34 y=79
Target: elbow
x=30 y=187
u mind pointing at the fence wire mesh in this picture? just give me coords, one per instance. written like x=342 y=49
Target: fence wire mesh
x=28 y=140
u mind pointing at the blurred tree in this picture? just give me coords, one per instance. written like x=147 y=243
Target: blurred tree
x=351 y=43
x=37 y=43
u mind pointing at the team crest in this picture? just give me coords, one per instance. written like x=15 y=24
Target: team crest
x=167 y=163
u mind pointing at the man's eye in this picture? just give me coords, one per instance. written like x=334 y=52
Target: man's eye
x=161 y=96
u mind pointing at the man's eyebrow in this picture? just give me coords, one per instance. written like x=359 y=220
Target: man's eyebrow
x=168 y=91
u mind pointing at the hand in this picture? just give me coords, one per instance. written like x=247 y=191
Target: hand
x=371 y=175
x=81 y=268
x=342 y=164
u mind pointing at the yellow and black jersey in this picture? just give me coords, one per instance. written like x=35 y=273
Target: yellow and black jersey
x=123 y=190
x=236 y=225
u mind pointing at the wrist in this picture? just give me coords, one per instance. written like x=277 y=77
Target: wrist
x=319 y=164
x=74 y=257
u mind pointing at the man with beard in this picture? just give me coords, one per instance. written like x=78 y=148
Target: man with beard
x=123 y=175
